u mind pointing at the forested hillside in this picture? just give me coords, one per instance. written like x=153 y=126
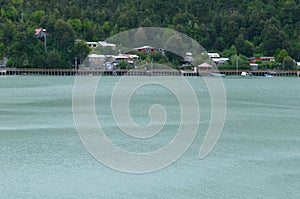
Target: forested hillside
x=263 y=27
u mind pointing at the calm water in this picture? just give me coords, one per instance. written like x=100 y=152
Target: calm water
x=257 y=156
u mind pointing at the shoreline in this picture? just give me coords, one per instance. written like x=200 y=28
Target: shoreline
x=139 y=72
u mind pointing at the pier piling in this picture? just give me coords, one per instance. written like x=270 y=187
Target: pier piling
x=137 y=72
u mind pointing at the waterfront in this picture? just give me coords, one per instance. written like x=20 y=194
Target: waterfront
x=139 y=72
x=257 y=156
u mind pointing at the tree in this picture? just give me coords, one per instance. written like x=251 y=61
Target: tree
x=146 y=22
x=17 y=2
x=122 y=65
x=230 y=26
x=281 y=55
x=180 y=18
x=76 y=24
x=288 y=63
x=106 y=28
x=64 y=35
x=80 y=50
x=12 y=13
x=262 y=27
x=37 y=16
x=123 y=21
x=54 y=60
x=243 y=46
x=229 y=52
x=201 y=34
x=241 y=60
x=272 y=37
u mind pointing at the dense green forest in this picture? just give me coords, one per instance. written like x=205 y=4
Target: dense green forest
x=259 y=27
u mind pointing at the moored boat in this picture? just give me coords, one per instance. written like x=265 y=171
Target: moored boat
x=217 y=74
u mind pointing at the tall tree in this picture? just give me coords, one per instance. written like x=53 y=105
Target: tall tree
x=64 y=35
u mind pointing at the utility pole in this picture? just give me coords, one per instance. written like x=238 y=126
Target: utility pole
x=237 y=64
x=45 y=39
x=75 y=63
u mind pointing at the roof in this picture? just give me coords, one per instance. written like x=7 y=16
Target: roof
x=221 y=59
x=205 y=65
x=143 y=47
x=267 y=57
x=37 y=31
x=105 y=44
x=96 y=56
x=121 y=57
x=213 y=55
x=126 y=56
x=133 y=56
x=91 y=42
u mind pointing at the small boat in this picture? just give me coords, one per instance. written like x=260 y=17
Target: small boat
x=3 y=71
x=246 y=74
x=268 y=75
x=217 y=74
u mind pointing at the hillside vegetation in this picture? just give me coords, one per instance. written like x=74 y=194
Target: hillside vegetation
x=260 y=27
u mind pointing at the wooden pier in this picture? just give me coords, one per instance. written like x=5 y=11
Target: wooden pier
x=95 y=72
x=263 y=72
x=138 y=72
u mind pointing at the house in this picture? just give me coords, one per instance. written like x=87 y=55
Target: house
x=131 y=59
x=96 y=61
x=267 y=59
x=127 y=57
x=254 y=66
x=215 y=57
x=205 y=66
x=92 y=44
x=253 y=60
x=220 y=61
x=189 y=57
x=40 y=33
x=145 y=49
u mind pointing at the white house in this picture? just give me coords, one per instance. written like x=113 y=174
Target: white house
x=189 y=57
x=215 y=57
x=105 y=44
x=93 y=44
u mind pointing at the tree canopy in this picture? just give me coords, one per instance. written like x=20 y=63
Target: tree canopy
x=263 y=27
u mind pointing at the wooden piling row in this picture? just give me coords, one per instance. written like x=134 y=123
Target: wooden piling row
x=137 y=72
x=262 y=72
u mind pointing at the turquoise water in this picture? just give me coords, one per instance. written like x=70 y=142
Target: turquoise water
x=257 y=156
